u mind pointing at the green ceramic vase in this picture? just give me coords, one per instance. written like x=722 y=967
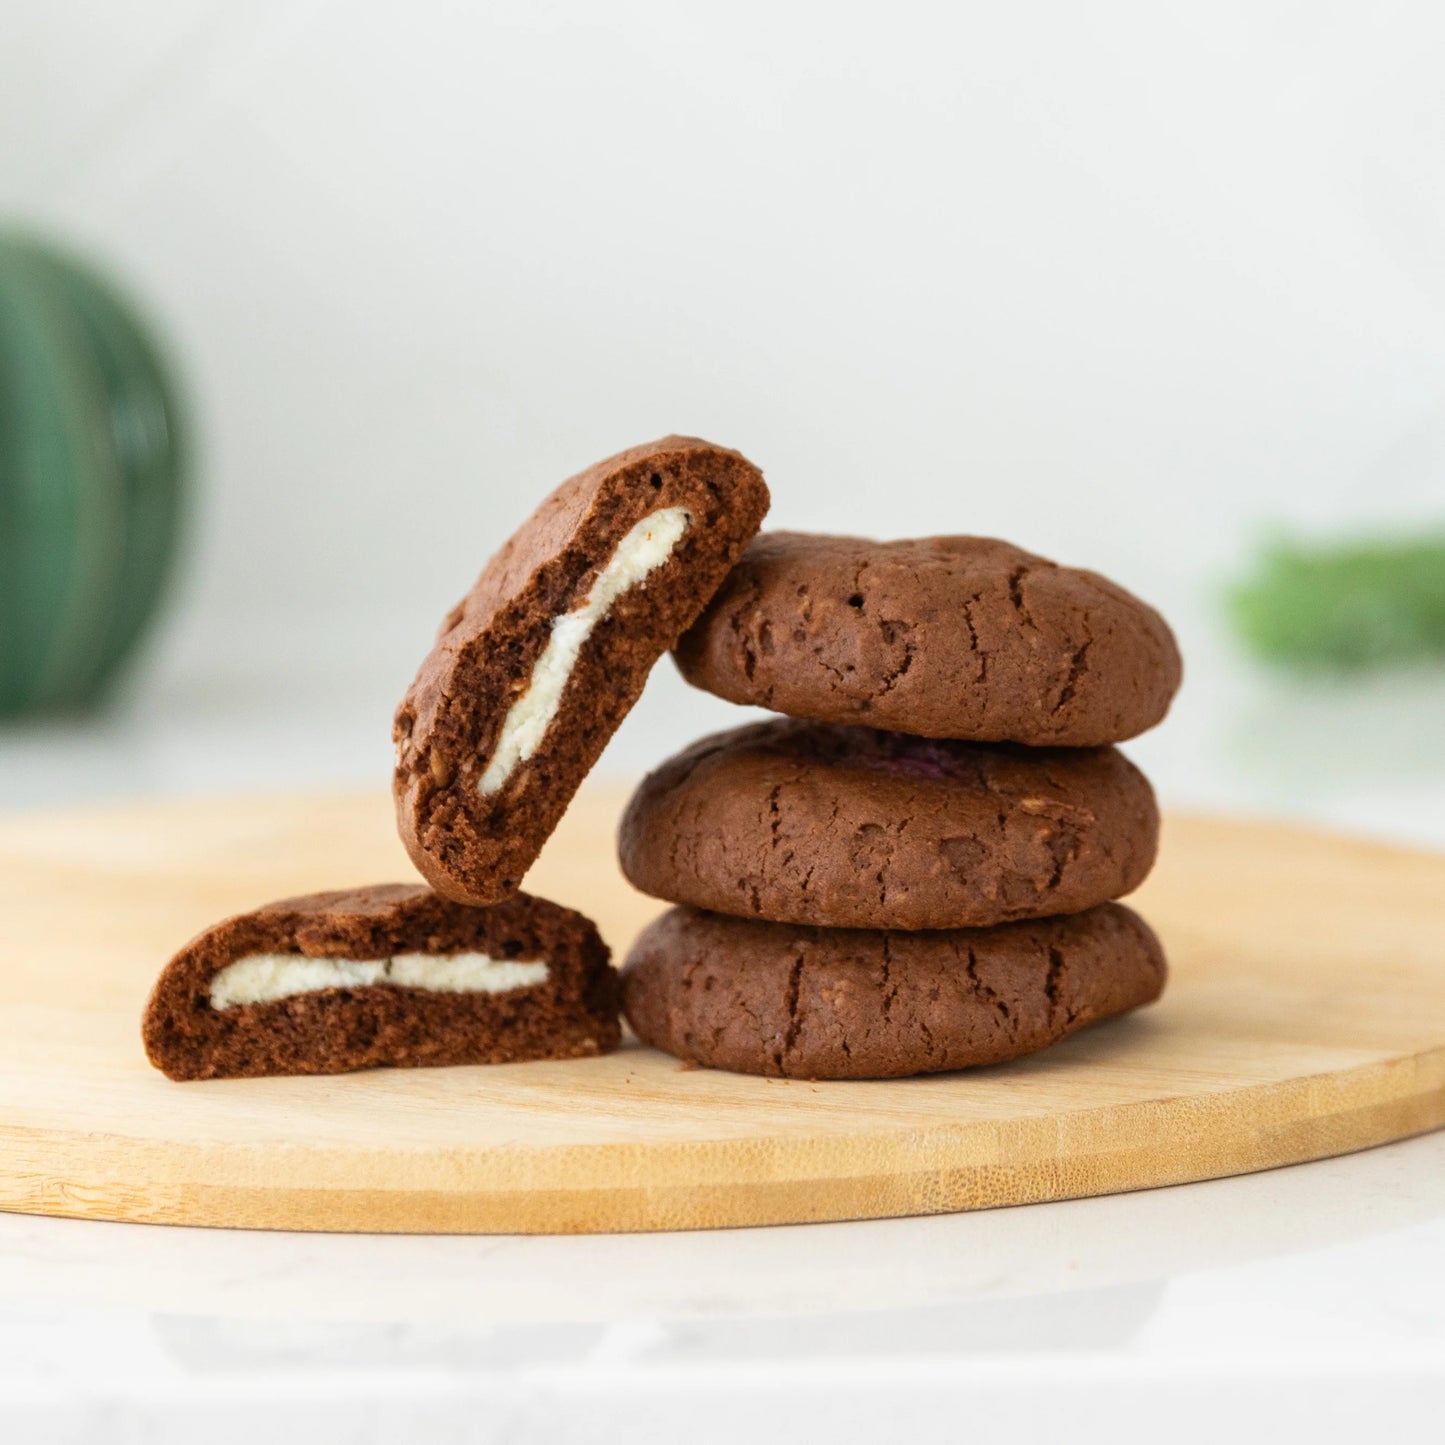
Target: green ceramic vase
x=92 y=479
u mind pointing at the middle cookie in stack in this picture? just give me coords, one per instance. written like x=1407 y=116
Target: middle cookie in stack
x=862 y=903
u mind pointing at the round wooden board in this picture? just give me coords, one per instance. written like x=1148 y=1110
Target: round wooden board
x=1305 y=1017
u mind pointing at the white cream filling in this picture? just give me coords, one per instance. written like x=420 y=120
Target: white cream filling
x=265 y=977
x=646 y=547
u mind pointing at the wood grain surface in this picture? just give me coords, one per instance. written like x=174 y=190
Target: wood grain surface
x=1305 y=1017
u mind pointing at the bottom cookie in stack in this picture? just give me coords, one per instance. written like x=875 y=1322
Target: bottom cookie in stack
x=858 y=1003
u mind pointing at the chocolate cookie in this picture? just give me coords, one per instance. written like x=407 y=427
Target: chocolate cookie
x=535 y=668
x=945 y=637
x=387 y=975
x=846 y=827
x=820 y=1003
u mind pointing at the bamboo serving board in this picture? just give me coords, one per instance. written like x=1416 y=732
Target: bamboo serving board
x=1305 y=1017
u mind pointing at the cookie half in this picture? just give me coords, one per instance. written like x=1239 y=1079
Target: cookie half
x=815 y=1003
x=945 y=637
x=845 y=827
x=386 y=975
x=533 y=671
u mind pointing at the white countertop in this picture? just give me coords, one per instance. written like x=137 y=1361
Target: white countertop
x=1300 y=1304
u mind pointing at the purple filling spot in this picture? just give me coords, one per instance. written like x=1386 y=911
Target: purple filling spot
x=900 y=754
x=935 y=769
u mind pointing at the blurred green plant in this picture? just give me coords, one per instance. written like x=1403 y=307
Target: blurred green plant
x=1347 y=607
x=92 y=474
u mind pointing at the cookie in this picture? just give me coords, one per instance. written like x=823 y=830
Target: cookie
x=820 y=1003
x=845 y=827
x=945 y=637
x=535 y=668
x=386 y=975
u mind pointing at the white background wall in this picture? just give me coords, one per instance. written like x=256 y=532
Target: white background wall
x=1126 y=283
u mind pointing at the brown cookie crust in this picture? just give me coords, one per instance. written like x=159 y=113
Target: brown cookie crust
x=573 y=1013
x=477 y=849
x=944 y=637
x=809 y=1003
x=845 y=827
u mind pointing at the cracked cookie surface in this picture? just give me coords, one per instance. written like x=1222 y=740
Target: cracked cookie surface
x=846 y=827
x=815 y=1003
x=944 y=637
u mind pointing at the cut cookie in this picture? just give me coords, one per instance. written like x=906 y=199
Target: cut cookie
x=945 y=637
x=533 y=671
x=845 y=827
x=817 y=1003
x=386 y=975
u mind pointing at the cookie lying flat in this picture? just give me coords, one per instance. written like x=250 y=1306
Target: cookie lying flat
x=387 y=975
x=813 y=1003
x=534 y=670
x=946 y=637
x=846 y=827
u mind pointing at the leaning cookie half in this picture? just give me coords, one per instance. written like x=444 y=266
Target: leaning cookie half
x=839 y=1003
x=533 y=671
x=390 y=975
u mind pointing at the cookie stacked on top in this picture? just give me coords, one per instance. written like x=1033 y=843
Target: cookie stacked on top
x=914 y=869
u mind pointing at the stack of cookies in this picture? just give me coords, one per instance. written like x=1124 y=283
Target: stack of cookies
x=914 y=869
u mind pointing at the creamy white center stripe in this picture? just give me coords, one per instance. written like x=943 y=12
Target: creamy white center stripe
x=645 y=548
x=265 y=977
